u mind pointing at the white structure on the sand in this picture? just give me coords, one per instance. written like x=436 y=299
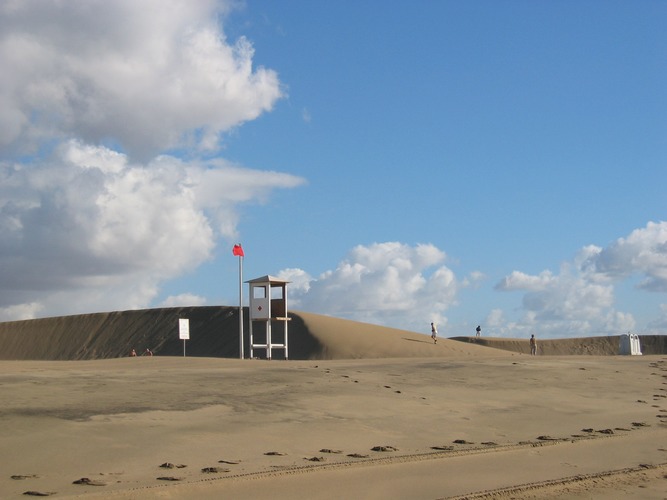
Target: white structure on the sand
x=629 y=345
x=268 y=315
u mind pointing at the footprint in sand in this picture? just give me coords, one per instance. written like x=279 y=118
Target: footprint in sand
x=461 y=441
x=384 y=448
x=26 y=476
x=39 y=493
x=328 y=450
x=89 y=482
x=169 y=465
x=169 y=478
x=230 y=462
x=442 y=448
x=357 y=455
x=315 y=459
x=275 y=454
x=213 y=470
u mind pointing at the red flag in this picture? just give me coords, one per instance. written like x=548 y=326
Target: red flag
x=238 y=250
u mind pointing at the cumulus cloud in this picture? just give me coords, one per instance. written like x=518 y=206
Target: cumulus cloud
x=87 y=229
x=150 y=76
x=384 y=283
x=659 y=325
x=522 y=281
x=184 y=299
x=108 y=108
x=643 y=252
x=580 y=299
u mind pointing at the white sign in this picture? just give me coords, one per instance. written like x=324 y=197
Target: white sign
x=184 y=329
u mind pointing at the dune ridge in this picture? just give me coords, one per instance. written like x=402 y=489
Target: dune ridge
x=214 y=333
x=587 y=346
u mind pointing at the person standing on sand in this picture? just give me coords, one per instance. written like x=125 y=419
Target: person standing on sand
x=478 y=330
x=434 y=333
x=533 y=345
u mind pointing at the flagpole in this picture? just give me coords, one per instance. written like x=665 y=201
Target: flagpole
x=241 y=356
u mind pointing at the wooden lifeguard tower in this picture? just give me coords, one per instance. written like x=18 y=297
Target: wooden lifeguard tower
x=268 y=315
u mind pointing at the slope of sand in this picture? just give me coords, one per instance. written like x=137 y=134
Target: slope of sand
x=214 y=332
x=510 y=426
x=367 y=412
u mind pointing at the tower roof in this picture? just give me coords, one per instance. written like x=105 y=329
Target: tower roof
x=268 y=279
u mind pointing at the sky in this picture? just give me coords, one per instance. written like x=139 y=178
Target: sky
x=467 y=162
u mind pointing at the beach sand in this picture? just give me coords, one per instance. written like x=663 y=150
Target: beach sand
x=359 y=411
x=461 y=425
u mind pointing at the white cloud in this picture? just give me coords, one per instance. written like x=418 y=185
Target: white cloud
x=643 y=252
x=90 y=230
x=580 y=300
x=521 y=281
x=183 y=299
x=87 y=227
x=149 y=75
x=659 y=325
x=298 y=278
x=22 y=311
x=385 y=283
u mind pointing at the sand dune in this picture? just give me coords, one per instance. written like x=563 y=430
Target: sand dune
x=591 y=346
x=214 y=333
x=365 y=412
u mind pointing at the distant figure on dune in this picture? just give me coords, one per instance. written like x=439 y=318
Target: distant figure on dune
x=533 y=345
x=434 y=333
x=478 y=330
x=133 y=354
x=148 y=352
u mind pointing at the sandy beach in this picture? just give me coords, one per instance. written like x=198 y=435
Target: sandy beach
x=499 y=425
x=358 y=411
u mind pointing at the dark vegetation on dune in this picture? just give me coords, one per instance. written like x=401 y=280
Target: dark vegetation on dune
x=214 y=332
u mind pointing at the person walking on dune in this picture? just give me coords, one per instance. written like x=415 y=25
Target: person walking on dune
x=434 y=333
x=478 y=331
x=533 y=345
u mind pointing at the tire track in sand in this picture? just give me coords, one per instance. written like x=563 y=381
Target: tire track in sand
x=572 y=484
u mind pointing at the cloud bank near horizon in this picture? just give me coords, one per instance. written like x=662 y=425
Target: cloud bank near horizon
x=406 y=287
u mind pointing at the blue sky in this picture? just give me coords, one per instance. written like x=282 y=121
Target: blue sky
x=464 y=162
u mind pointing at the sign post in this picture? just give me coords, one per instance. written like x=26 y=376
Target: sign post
x=184 y=331
x=237 y=251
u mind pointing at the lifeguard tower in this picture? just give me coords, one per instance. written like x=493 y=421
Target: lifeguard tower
x=268 y=315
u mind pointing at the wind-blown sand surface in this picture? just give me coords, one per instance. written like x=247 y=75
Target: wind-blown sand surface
x=452 y=420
